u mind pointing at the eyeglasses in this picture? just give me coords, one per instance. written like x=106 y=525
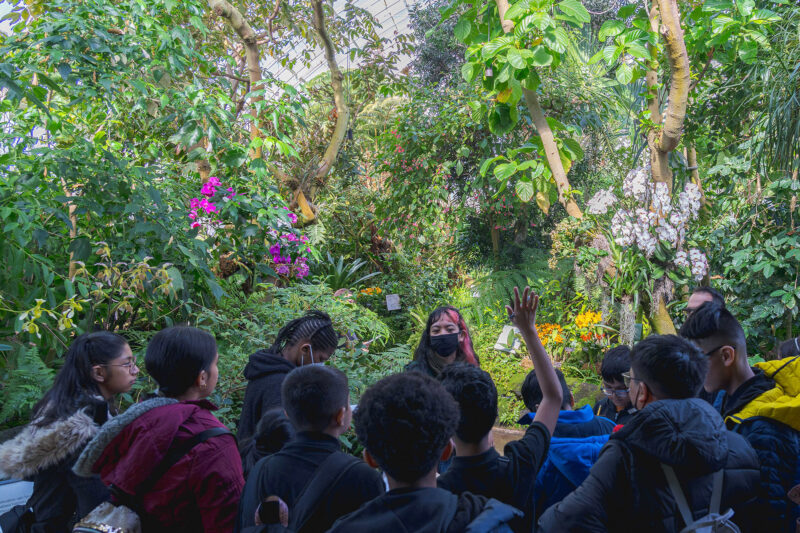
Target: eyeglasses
x=619 y=393
x=130 y=365
x=708 y=353
x=627 y=378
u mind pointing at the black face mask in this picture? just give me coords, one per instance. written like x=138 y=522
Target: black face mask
x=445 y=345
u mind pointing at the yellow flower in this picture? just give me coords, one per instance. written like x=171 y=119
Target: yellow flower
x=587 y=319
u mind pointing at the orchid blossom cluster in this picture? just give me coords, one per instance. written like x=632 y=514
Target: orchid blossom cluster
x=653 y=218
x=286 y=246
x=203 y=211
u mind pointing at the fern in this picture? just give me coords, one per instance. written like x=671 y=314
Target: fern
x=27 y=379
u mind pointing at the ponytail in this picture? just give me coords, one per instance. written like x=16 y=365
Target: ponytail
x=74 y=386
x=314 y=326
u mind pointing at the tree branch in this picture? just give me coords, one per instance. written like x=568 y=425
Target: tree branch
x=680 y=78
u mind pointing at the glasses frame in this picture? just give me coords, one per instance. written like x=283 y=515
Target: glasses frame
x=619 y=393
x=710 y=352
x=130 y=366
x=627 y=379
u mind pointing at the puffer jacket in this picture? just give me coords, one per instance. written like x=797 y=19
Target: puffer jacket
x=198 y=493
x=627 y=491
x=765 y=410
x=45 y=455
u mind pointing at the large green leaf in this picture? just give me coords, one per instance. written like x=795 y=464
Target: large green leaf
x=515 y=59
x=462 y=29
x=505 y=171
x=524 y=188
x=496 y=45
x=542 y=56
x=610 y=28
x=624 y=74
x=574 y=9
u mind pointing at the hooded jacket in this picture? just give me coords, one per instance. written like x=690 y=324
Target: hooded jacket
x=198 y=493
x=265 y=373
x=45 y=455
x=626 y=489
x=574 y=448
x=428 y=510
x=765 y=410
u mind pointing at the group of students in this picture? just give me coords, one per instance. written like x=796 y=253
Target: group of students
x=656 y=454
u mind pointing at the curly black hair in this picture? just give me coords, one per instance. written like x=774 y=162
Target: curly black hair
x=404 y=421
x=616 y=361
x=532 y=392
x=476 y=395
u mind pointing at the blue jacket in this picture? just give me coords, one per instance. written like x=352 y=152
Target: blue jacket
x=574 y=448
x=765 y=410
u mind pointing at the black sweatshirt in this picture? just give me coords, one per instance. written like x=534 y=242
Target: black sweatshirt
x=265 y=374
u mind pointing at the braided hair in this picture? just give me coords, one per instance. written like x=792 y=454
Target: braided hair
x=314 y=326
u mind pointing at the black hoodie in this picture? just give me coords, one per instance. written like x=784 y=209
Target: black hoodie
x=627 y=491
x=265 y=374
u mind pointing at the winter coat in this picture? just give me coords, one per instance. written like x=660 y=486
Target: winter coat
x=574 y=448
x=428 y=510
x=627 y=490
x=265 y=373
x=765 y=410
x=45 y=455
x=198 y=493
x=607 y=409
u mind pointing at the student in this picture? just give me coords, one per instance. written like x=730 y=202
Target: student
x=316 y=480
x=306 y=340
x=701 y=295
x=445 y=340
x=759 y=403
x=97 y=367
x=405 y=422
x=627 y=488
x=574 y=448
x=273 y=432
x=199 y=492
x=616 y=406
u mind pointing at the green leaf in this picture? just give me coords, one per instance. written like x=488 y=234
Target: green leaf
x=462 y=29
x=515 y=59
x=503 y=118
x=487 y=163
x=524 y=188
x=505 y=171
x=574 y=148
x=495 y=45
x=469 y=71
x=541 y=56
x=215 y=289
x=610 y=28
x=177 y=278
x=575 y=9
x=518 y=9
x=624 y=74
x=80 y=248
x=628 y=10
x=64 y=70
x=637 y=49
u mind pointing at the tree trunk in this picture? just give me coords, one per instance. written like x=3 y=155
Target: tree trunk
x=548 y=140
x=495 y=241
x=694 y=172
x=224 y=9
x=627 y=320
x=662 y=322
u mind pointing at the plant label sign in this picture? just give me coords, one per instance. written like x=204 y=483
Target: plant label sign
x=392 y=302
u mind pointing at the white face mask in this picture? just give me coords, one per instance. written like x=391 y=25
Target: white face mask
x=311 y=351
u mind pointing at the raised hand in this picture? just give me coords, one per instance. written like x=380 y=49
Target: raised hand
x=522 y=310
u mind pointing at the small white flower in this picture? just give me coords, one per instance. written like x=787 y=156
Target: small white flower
x=637 y=183
x=601 y=201
x=699 y=263
x=622 y=228
x=681 y=259
x=689 y=201
x=667 y=232
x=661 y=198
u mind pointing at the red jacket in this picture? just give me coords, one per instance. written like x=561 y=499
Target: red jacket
x=200 y=492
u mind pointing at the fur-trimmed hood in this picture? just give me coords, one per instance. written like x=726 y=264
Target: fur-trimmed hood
x=37 y=448
x=111 y=429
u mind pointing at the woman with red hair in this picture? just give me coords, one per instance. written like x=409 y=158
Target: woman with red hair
x=445 y=340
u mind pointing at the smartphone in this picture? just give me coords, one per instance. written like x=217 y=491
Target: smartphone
x=269 y=512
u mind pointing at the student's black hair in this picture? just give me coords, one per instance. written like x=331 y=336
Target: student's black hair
x=476 y=395
x=616 y=361
x=404 y=421
x=315 y=327
x=175 y=357
x=312 y=395
x=74 y=387
x=716 y=296
x=672 y=367
x=532 y=391
x=272 y=433
x=716 y=324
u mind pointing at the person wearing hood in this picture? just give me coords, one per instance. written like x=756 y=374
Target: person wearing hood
x=761 y=403
x=97 y=367
x=307 y=340
x=627 y=489
x=577 y=439
x=200 y=491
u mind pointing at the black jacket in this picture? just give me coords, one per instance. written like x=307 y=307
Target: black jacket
x=606 y=408
x=265 y=374
x=45 y=455
x=428 y=510
x=508 y=478
x=626 y=489
x=778 y=448
x=286 y=473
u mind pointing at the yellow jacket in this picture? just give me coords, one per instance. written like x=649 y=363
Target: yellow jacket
x=781 y=403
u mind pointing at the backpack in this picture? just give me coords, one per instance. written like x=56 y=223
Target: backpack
x=129 y=517
x=713 y=522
